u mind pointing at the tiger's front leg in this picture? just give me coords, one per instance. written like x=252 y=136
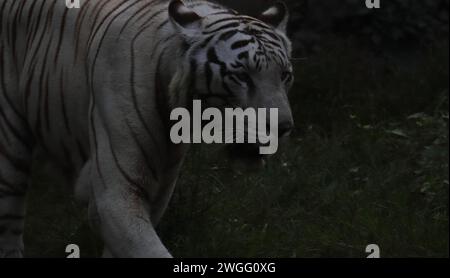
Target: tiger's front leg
x=133 y=164
x=127 y=193
x=125 y=226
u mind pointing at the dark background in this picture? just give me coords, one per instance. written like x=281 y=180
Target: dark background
x=367 y=163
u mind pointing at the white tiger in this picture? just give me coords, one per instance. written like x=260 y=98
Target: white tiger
x=94 y=88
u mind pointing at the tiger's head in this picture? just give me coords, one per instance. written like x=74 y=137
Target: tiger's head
x=233 y=60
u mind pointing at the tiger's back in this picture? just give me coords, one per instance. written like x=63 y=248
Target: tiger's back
x=47 y=51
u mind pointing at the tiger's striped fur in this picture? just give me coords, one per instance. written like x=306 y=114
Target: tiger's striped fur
x=94 y=87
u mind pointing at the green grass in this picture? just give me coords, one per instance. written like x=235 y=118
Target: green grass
x=368 y=163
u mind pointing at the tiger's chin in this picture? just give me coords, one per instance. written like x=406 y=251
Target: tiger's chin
x=246 y=156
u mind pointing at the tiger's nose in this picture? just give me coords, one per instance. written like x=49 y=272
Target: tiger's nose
x=285 y=129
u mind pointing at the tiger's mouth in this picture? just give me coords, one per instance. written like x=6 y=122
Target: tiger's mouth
x=247 y=154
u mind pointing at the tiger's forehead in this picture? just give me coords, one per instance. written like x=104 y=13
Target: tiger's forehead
x=240 y=40
x=250 y=46
x=217 y=22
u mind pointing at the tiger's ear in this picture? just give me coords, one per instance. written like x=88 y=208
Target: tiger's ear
x=276 y=16
x=185 y=19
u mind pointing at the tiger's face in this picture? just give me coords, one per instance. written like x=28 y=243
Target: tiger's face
x=239 y=61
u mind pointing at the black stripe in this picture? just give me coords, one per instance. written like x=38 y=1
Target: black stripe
x=94 y=136
x=15 y=132
x=103 y=36
x=92 y=127
x=22 y=8
x=3 y=86
x=46 y=108
x=35 y=25
x=2 y=8
x=127 y=177
x=223 y=13
x=142 y=9
x=160 y=26
x=243 y=55
x=208 y=74
x=5 y=133
x=43 y=93
x=81 y=151
x=212 y=58
x=236 y=80
x=79 y=24
x=193 y=81
x=148 y=21
x=158 y=44
x=61 y=35
x=10 y=31
x=226 y=19
x=94 y=15
x=105 y=18
x=14 y=35
x=204 y=44
x=134 y=95
x=43 y=34
x=226 y=26
x=161 y=96
x=27 y=90
x=261 y=25
x=228 y=35
x=246 y=78
x=63 y=103
x=14 y=28
x=243 y=43
x=268 y=42
x=30 y=11
x=147 y=160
